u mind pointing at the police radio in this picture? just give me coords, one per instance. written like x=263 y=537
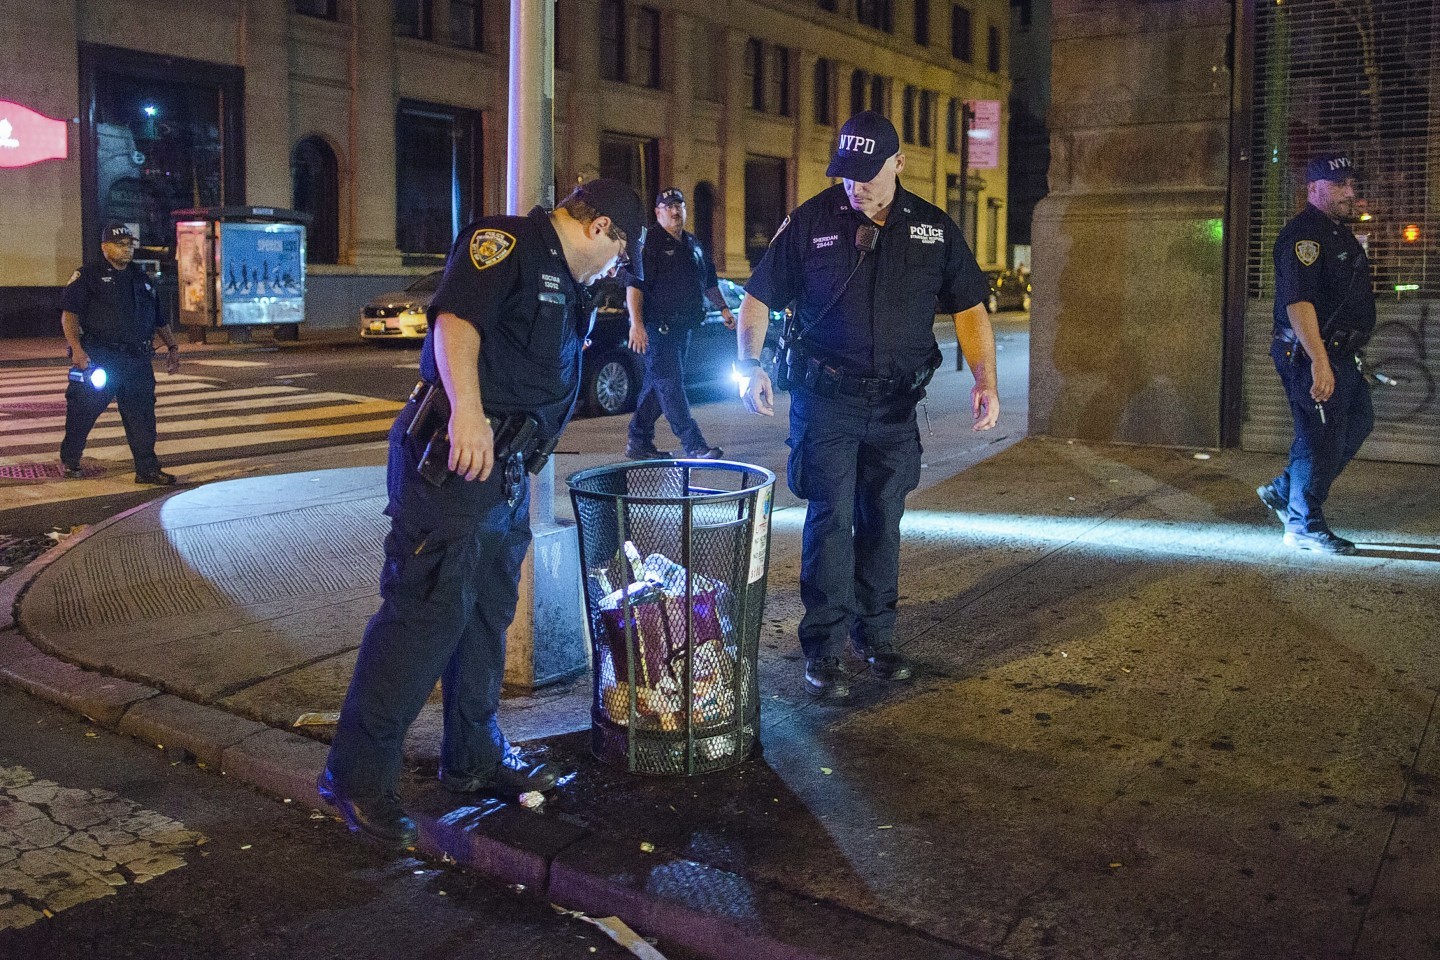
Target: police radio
x=867 y=238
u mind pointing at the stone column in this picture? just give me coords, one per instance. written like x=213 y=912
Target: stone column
x=1129 y=264
x=730 y=248
x=264 y=52
x=372 y=138
x=582 y=118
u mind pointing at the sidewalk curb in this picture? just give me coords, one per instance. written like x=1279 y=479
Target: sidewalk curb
x=198 y=349
x=664 y=896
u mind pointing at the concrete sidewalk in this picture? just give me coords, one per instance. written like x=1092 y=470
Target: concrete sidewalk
x=49 y=351
x=1143 y=727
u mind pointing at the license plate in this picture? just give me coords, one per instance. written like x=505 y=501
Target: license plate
x=377 y=326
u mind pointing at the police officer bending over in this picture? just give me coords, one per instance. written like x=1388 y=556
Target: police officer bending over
x=110 y=315
x=664 y=308
x=501 y=369
x=1324 y=314
x=868 y=265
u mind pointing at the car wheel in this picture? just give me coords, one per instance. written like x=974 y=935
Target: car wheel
x=1025 y=303
x=613 y=387
x=993 y=303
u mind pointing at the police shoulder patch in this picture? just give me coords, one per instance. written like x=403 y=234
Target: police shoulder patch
x=1307 y=251
x=783 y=224
x=489 y=247
x=73 y=277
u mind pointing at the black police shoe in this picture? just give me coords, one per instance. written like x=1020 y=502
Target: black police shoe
x=645 y=451
x=72 y=473
x=825 y=677
x=1273 y=500
x=705 y=453
x=381 y=819
x=511 y=778
x=157 y=479
x=1322 y=541
x=885 y=661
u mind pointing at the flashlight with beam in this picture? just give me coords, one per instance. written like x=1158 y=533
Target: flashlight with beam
x=93 y=375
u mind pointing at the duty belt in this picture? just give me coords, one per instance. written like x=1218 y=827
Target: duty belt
x=1342 y=342
x=133 y=349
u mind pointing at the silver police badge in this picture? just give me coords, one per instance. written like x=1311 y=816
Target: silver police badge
x=489 y=247
x=1307 y=251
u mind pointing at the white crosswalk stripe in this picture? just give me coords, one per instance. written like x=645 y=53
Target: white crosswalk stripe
x=199 y=418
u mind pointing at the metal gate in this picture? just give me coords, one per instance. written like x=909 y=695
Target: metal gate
x=1359 y=76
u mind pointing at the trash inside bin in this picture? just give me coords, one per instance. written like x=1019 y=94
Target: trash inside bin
x=675 y=555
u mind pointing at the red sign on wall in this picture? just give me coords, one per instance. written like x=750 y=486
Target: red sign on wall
x=28 y=137
x=985 y=134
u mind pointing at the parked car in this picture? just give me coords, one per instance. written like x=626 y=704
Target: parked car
x=400 y=314
x=1009 y=290
x=612 y=373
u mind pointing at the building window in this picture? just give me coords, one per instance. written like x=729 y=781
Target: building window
x=858 y=83
x=612 y=40
x=765 y=204
x=824 y=92
x=877 y=95
x=755 y=73
x=827 y=5
x=632 y=160
x=925 y=122
x=324 y=9
x=922 y=22
x=646 y=63
x=412 y=19
x=777 y=82
x=962 y=43
x=437 y=173
x=1027 y=13
x=315 y=181
x=876 y=13
x=907 y=114
x=992 y=49
x=465 y=24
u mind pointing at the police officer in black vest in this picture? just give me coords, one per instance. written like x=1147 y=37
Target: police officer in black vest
x=868 y=265
x=1324 y=314
x=110 y=315
x=501 y=372
x=665 y=308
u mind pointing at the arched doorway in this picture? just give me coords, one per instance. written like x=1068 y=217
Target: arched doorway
x=316 y=180
x=705 y=217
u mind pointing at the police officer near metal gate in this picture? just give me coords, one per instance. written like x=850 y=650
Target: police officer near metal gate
x=868 y=265
x=1324 y=315
x=501 y=372
x=110 y=315
x=664 y=309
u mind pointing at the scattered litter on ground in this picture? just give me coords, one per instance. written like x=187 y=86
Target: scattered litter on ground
x=317 y=718
x=826 y=770
x=646 y=846
x=888 y=826
x=1202 y=456
x=617 y=930
x=1116 y=865
x=245 y=847
x=532 y=799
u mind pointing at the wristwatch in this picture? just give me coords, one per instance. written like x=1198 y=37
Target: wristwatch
x=748 y=365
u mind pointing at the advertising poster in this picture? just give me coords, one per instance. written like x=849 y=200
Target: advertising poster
x=262 y=273
x=985 y=135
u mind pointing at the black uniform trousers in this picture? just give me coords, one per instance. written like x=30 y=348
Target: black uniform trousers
x=854 y=460
x=131 y=384
x=448 y=592
x=664 y=391
x=1321 y=449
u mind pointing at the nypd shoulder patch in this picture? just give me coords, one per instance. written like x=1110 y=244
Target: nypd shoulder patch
x=489 y=247
x=785 y=223
x=1307 y=252
x=73 y=277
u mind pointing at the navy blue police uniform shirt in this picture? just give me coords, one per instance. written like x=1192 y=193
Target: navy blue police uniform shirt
x=508 y=277
x=882 y=324
x=114 y=306
x=677 y=275
x=1319 y=261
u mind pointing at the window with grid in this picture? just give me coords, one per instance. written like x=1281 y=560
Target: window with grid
x=1361 y=80
x=824 y=92
x=465 y=24
x=412 y=19
x=962 y=43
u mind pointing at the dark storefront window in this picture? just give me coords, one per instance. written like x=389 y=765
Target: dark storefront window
x=437 y=175
x=765 y=206
x=634 y=160
x=164 y=134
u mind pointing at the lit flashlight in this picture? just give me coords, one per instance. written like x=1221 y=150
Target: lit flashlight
x=95 y=376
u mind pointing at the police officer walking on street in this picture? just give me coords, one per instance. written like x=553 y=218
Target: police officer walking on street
x=1324 y=314
x=501 y=373
x=110 y=315
x=868 y=265
x=664 y=308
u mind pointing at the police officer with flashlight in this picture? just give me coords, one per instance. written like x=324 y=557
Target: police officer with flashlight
x=868 y=265
x=501 y=373
x=1324 y=315
x=110 y=315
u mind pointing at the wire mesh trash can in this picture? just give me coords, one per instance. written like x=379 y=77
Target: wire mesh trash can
x=675 y=554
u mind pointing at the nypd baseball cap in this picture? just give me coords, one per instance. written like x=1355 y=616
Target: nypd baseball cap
x=618 y=201
x=866 y=141
x=667 y=197
x=116 y=233
x=1329 y=166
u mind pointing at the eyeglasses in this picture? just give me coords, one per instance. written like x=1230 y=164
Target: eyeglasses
x=615 y=233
